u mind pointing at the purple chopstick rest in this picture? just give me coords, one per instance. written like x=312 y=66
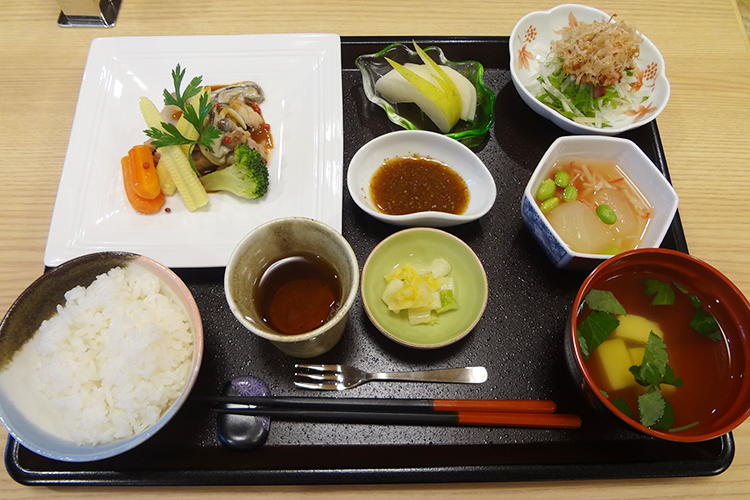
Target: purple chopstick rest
x=243 y=432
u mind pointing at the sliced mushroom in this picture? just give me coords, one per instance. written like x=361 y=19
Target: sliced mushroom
x=247 y=91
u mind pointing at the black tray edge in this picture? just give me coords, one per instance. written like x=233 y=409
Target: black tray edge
x=452 y=474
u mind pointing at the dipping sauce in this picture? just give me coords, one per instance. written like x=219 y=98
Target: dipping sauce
x=406 y=185
x=298 y=294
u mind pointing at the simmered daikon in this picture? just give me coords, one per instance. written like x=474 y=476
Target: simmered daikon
x=599 y=185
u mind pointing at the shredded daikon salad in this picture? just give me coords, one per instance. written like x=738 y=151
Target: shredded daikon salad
x=590 y=74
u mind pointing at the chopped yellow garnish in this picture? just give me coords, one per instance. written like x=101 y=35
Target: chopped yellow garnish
x=420 y=293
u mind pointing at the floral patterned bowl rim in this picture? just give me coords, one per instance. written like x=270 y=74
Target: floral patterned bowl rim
x=530 y=44
x=407 y=115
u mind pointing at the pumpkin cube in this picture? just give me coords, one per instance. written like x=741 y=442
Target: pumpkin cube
x=634 y=328
x=614 y=360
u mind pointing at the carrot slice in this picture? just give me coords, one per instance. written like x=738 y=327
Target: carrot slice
x=143 y=172
x=139 y=203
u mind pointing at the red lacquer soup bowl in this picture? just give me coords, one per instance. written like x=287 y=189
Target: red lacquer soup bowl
x=668 y=356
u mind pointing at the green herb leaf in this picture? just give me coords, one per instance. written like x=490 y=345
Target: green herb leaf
x=180 y=99
x=622 y=405
x=705 y=324
x=170 y=136
x=651 y=407
x=685 y=427
x=594 y=330
x=670 y=379
x=605 y=301
x=662 y=292
x=583 y=346
x=654 y=366
x=680 y=287
x=696 y=301
x=667 y=420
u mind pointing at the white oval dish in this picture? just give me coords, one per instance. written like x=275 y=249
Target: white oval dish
x=460 y=158
x=530 y=44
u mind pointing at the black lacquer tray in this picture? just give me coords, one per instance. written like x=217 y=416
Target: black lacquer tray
x=519 y=339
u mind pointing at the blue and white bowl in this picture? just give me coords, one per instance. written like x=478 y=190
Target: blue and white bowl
x=633 y=162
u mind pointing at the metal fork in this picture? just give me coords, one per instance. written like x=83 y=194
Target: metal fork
x=340 y=377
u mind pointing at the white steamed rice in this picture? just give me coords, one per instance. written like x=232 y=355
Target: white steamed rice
x=114 y=358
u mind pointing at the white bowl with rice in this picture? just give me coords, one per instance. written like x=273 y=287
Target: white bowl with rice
x=643 y=91
x=97 y=355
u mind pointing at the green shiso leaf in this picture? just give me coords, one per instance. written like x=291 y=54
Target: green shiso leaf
x=667 y=420
x=663 y=293
x=705 y=324
x=651 y=407
x=622 y=406
x=594 y=330
x=654 y=366
x=605 y=301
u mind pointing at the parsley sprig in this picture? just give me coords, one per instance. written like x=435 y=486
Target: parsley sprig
x=170 y=135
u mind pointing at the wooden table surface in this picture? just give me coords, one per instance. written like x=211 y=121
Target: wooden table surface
x=705 y=131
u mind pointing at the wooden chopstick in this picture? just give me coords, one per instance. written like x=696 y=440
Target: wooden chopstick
x=391 y=405
x=460 y=418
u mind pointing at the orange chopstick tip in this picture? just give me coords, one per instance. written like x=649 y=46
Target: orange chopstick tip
x=495 y=405
x=538 y=420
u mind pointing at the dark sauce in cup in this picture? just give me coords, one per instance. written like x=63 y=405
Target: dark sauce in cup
x=411 y=184
x=298 y=293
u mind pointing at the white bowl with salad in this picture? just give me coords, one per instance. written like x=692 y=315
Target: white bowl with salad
x=563 y=66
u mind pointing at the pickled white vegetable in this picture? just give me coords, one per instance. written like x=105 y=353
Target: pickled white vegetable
x=420 y=293
x=440 y=267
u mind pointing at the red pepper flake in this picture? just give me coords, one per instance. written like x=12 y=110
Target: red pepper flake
x=267 y=126
x=146 y=165
x=227 y=139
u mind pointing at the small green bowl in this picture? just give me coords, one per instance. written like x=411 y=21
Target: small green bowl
x=420 y=246
x=408 y=115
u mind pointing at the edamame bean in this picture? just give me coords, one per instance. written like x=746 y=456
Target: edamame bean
x=606 y=214
x=550 y=203
x=562 y=178
x=546 y=190
x=570 y=193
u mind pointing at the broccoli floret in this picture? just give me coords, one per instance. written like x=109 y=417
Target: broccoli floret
x=247 y=177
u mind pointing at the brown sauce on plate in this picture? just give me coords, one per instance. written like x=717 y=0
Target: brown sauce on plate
x=298 y=294
x=410 y=184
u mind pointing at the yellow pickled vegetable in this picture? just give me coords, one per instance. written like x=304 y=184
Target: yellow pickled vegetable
x=420 y=293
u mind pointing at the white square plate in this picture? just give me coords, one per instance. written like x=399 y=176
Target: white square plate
x=301 y=77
